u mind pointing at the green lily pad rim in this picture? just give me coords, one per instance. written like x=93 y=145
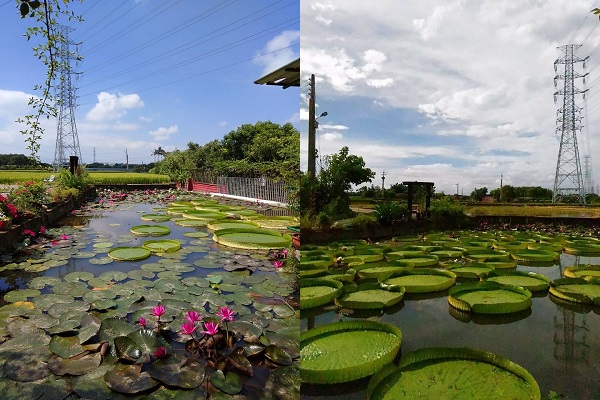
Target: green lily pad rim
x=493 y=308
x=320 y=300
x=140 y=253
x=333 y=376
x=376 y=388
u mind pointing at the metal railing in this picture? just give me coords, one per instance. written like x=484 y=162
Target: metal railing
x=257 y=188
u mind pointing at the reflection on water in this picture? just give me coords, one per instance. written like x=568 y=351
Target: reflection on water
x=556 y=341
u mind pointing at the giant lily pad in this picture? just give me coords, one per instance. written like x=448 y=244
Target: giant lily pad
x=422 y=280
x=161 y=246
x=150 y=230
x=129 y=253
x=252 y=238
x=156 y=217
x=581 y=271
x=531 y=281
x=371 y=296
x=452 y=373
x=317 y=292
x=348 y=350
x=489 y=298
x=577 y=290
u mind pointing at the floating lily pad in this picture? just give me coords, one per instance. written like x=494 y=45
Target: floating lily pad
x=453 y=373
x=162 y=246
x=21 y=295
x=317 y=292
x=177 y=371
x=470 y=270
x=531 y=281
x=196 y=234
x=230 y=383
x=577 y=290
x=156 y=217
x=252 y=238
x=532 y=256
x=581 y=271
x=129 y=253
x=191 y=223
x=27 y=366
x=422 y=280
x=150 y=230
x=348 y=350
x=489 y=298
x=370 y=296
x=78 y=276
x=65 y=346
x=129 y=379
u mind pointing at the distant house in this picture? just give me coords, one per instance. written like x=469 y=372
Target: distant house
x=488 y=200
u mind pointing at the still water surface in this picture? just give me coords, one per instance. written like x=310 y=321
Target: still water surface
x=559 y=346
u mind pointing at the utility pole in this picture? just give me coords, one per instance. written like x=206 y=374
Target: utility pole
x=501 y=181
x=94 y=155
x=383 y=184
x=568 y=180
x=126 y=160
x=457 y=190
x=312 y=208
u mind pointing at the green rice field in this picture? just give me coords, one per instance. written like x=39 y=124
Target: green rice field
x=14 y=177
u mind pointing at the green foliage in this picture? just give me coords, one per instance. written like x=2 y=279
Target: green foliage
x=30 y=196
x=479 y=194
x=363 y=221
x=447 y=212
x=80 y=180
x=324 y=221
x=177 y=165
x=340 y=171
x=389 y=212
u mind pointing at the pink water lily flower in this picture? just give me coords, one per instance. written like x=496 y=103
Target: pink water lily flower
x=210 y=328
x=226 y=314
x=158 y=310
x=54 y=242
x=188 y=328
x=193 y=316
x=64 y=237
x=160 y=352
x=278 y=263
x=142 y=322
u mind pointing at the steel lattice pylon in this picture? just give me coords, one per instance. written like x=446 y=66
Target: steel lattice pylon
x=67 y=141
x=568 y=180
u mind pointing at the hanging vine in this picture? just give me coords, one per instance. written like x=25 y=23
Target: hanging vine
x=46 y=15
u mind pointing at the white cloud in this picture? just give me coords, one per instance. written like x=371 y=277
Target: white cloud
x=164 y=133
x=271 y=62
x=222 y=123
x=323 y=20
x=331 y=136
x=335 y=127
x=380 y=83
x=113 y=106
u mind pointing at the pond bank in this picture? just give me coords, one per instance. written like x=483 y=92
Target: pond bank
x=46 y=218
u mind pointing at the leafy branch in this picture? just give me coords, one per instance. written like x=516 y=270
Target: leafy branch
x=46 y=15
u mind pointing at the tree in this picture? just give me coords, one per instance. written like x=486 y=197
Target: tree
x=479 y=194
x=340 y=171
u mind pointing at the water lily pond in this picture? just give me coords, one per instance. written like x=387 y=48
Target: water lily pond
x=496 y=314
x=153 y=295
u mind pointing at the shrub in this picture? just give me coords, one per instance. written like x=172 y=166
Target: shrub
x=363 y=221
x=30 y=196
x=446 y=212
x=8 y=210
x=389 y=212
x=324 y=221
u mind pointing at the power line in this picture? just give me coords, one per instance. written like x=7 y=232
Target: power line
x=171 y=32
x=102 y=19
x=205 y=72
x=210 y=53
x=9 y=1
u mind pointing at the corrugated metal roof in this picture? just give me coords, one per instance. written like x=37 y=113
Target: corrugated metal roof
x=286 y=76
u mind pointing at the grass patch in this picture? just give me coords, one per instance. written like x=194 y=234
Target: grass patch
x=558 y=211
x=111 y=178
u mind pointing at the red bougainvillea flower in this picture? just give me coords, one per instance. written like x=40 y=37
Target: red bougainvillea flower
x=160 y=352
x=54 y=242
x=42 y=230
x=193 y=316
x=210 y=328
x=226 y=314
x=188 y=328
x=29 y=232
x=158 y=310
x=142 y=322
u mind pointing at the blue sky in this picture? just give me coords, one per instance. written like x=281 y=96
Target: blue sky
x=157 y=73
x=449 y=91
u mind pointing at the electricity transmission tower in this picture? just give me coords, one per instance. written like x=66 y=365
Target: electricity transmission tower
x=569 y=179
x=67 y=141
